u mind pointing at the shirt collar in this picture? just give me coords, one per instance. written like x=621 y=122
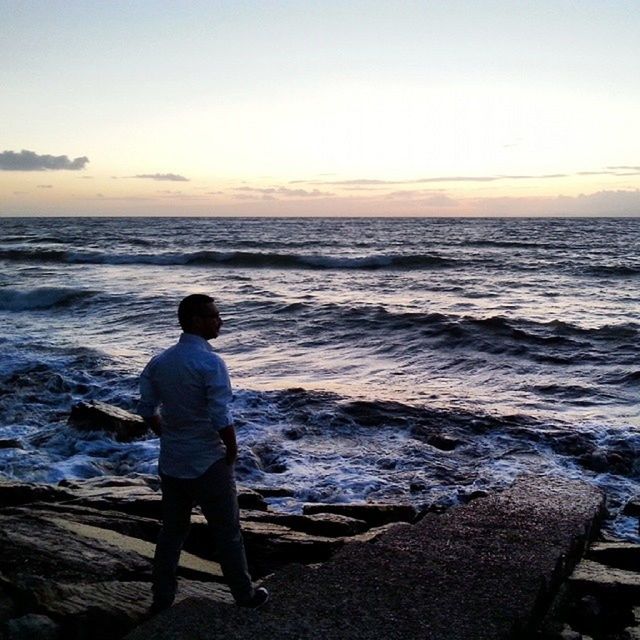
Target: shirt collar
x=191 y=338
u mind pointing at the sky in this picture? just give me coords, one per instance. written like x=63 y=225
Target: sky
x=430 y=108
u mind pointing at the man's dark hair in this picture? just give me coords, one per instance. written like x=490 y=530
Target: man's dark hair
x=191 y=306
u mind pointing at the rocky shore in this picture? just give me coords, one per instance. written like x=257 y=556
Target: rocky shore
x=528 y=562
x=75 y=558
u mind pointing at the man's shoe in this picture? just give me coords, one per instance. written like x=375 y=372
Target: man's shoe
x=157 y=606
x=260 y=596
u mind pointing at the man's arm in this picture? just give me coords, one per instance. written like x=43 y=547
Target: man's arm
x=149 y=402
x=219 y=396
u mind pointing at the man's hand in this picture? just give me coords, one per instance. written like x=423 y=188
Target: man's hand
x=228 y=435
x=154 y=423
x=232 y=455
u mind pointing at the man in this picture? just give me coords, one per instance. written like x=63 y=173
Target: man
x=189 y=384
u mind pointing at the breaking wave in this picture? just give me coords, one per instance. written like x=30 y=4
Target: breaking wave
x=41 y=298
x=234 y=259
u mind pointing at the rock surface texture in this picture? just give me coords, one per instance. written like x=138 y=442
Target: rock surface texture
x=75 y=559
x=484 y=571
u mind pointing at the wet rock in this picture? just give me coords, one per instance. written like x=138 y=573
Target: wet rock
x=387 y=464
x=440 y=441
x=99 y=416
x=632 y=508
x=607 y=462
x=275 y=492
x=272 y=458
x=32 y=627
x=374 y=514
x=250 y=499
x=11 y=443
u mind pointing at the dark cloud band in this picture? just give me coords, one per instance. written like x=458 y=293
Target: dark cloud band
x=31 y=161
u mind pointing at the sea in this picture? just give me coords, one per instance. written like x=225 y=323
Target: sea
x=420 y=360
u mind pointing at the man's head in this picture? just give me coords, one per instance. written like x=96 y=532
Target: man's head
x=199 y=315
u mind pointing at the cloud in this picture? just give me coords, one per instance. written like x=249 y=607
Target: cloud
x=284 y=191
x=625 y=167
x=45 y=186
x=411 y=194
x=170 y=177
x=363 y=182
x=31 y=161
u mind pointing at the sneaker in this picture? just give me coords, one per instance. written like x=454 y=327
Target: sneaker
x=260 y=596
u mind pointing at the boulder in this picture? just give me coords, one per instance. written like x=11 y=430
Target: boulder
x=632 y=508
x=11 y=443
x=374 y=514
x=440 y=441
x=99 y=416
x=32 y=627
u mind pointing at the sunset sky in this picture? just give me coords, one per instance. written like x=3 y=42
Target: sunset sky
x=329 y=108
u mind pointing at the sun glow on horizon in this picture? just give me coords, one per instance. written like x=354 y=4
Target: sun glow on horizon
x=241 y=110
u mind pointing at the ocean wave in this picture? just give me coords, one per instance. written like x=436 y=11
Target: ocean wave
x=614 y=271
x=510 y=244
x=234 y=259
x=41 y=298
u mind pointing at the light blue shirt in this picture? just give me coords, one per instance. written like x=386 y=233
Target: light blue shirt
x=190 y=384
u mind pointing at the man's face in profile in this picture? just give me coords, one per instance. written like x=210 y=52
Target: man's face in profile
x=208 y=321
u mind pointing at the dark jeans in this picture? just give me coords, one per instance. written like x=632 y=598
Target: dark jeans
x=215 y=492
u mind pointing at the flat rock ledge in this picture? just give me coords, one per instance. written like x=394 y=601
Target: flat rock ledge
x=75 y=558
x=485 y=571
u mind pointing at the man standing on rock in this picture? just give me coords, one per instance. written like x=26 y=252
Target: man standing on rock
x=189 y=384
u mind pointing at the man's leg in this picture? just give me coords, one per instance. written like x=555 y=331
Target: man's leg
x=177 y=502
x=215 y=492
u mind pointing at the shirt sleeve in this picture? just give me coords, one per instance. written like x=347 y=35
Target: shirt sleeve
x=149 y=400
x=219 y=395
